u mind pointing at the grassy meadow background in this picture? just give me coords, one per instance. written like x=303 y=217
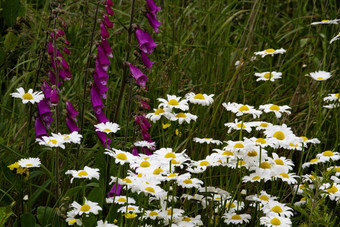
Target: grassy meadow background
x=198 y=44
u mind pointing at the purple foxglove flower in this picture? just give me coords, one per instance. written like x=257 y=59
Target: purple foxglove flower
x=113 y=190
x=71 y=124
x=67 y=42
x=138 y=120
x=152 y=6
x=146 y=151
x=68 y=74
x=138 y=75
x=102 y=89
x=103 y=32
x=67 y=51
x=145 y=121
x=64 y=64
x=39 y=128
x=103 y=59
x=144 y=105
x=54 y=97
x=71 y=112
x=146 y=136
x=46 y=89
x=62 y=75
x=106 y=47
x=109 y=10
x=109 y=3
x=153 y=21
x=101 y=117
x=135 y=151
x=145 y=41
x=50 y=48
x=97 y=103
x=106 y=141
x=107 y=21
x=60 y=33
x=102 y=75
x=45 y=113
x=146 y=61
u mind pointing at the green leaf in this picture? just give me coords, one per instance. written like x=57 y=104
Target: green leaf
x=2 y=59
x=5 y=213
x=47 y=217
x=96 y=195
x=11 y=41
x=11 y=10
x=27 y=220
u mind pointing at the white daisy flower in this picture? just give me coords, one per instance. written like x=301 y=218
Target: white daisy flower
x=107 y=127
x=238 y=125
x=71 y=218
x=190 y=221
x=287 y=177
x=272 y=76
x=186 y=181
x=263 y=197
x=320 y=75
x=270 y=52
x=29 y=162
x=120 y=156
x=313 y=161
x=129 y=209
x=181 y=117
x=241 y=109
x=87 y=172
x=333 y=191
x=174 y=102
x=331 y=106
x=87 y=207
x=152 y=214
x=202 y=99
x=335 y=38
x=234 y=218
x=274 y=220
x=281 y=133
x=278 y=110
x=73 y=137
x=121 y=200
x=261 y=125
x=207 y=140
x=335 y=21
x=52 y=141
x=326 y=156
x=306 y=141
x=158 y=113
x=30 y=96
x=105 y=224
x=149 y=145
x=332 y=97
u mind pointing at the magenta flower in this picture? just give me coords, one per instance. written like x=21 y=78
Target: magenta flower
x=104 y=139
x=71 y=124
x=54 y=97
x=66 y=50
x=135 y=151
x=144 y=105
x=140 y=77
x=103 y=32
x=153 y=21
x=102 y=89
x=101 y=117
x=145 y=59
x=109 y=3
x=50 y=48
x=113 y=192
x=109 y=10
x=106 y=47
x=71 y=112
x=107 y=21
x=145 y=41
x=152 y=6
x=46 y=89
x=103 y=59
x=102 y=75
x=39 y=128
x=97 y=104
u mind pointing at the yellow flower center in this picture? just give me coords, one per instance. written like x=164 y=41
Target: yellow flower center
x=256 y=178
x=252 y=153
x=28 y=165
x=170 y=155
x=159 y=111
x=174 y=162
x=85 y=208
x=169 y=212
x=82 y=173
x=181 y=115
x=157 y=171
x=238 y=145
x=131 y=208
x=173 y=102
x=129 y=216
x=337 y=95
x=264 y=198
x=337 y=169
x=319 y=78
x=261 y=141
x=228 y=205
x=314 y=160
x=275 y=221
x=274 y=107
x=277 y=209
x=333 y=189
x=243 y=108
x=268 y=75
x=327 y=153
x=278 y=162
x=27 y=96
x=236 y=217
x=121 y=156
x=122 y=200
x=269 y=51
x=53 y=142
x=229 y=153
x=165 y=126
x=241 y=163
x=199 y=96
x=324 y=20
x=302 y=186
x=107 y=130
x=145 y=164
x=264 y=125
x=303 y=199
x=279 y=135
x=293 y=145
x=150 y=189
x=265 y=165
x=187 y=181
x=73 y=221
x=172 y=175
x=127 y=180
x=187 y=219
x=204 y=163
x=139 y=175
x=304 y=138
x=284 y=175
x=153 y=213
x=240 y=125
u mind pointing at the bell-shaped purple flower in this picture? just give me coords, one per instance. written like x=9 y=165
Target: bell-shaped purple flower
x=152 y=6
x=39 y=128
x=109 y=3
x=97 y=103
x=107 y=21
x=154 y=23
x=145 y=41
x=50 y=48
x=101 y=117
x=66 y=50
x=104 y=139
x=103 y=59
x=46 y=89
x=106 y=47
x=144 y=105
x=71 y=112
x=109 y=10
x=103 y=32
x=145 y=59
x=102 y=75
x=67 y=42
x=102 y=89
x=140 y=77
x=146 y=151
x=71 y=124
x=54 y=97
x=135 y=151
x=115 y=190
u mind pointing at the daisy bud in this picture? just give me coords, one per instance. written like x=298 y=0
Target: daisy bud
x=138 y=75
x=54 y=97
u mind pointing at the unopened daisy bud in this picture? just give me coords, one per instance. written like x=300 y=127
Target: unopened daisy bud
x=243 y=192
x=25 y=198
